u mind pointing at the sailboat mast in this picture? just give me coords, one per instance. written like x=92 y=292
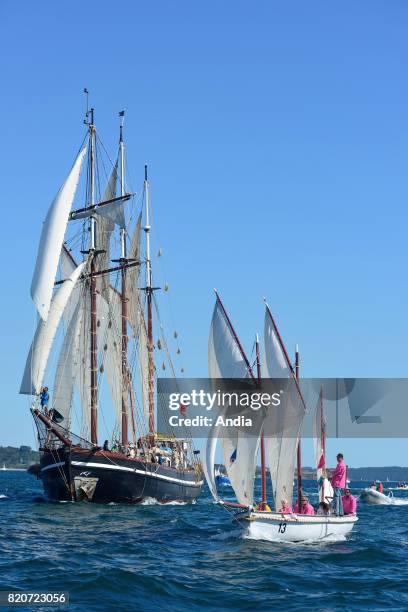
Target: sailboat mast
x=149 y=291
x=124 y=299
x=299 y=450
x=93 y=347
x=322 y=427
x=263 y=468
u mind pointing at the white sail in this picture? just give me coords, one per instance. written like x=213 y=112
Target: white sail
x=209 y=462
x=110 y=346
x=282 y=424
x=132 y=275
x=51 y=240
x=137 y=319
x=44 y=337
x=239 y=450
x=67 y=266
x=67 y=368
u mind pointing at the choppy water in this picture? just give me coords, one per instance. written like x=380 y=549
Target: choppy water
x=180 y=558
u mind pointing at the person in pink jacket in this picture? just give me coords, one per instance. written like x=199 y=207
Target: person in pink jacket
x=306 y=507
x=338 y=482
x=349 y=502
x=285 y=508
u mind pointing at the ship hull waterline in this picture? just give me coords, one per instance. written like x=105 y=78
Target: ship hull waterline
x=104 y=477
x=273 y=526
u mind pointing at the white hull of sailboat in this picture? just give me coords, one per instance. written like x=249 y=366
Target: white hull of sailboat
x=297 y=528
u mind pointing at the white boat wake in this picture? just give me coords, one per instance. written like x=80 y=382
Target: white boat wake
x=150 y=501
x=3 y=496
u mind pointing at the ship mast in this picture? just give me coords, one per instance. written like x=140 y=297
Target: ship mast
x=124 y=299
x=299 y=451
x=92 y=250
x=263 y=468
x=149 y=292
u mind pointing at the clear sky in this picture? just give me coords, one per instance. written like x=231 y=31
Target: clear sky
x=276 y=133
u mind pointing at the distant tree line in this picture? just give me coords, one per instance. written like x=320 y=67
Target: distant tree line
x=18 y=457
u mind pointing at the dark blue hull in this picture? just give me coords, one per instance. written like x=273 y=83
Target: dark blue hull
x=104 y=477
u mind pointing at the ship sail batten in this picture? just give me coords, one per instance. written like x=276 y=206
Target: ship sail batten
x=44 y=337
x=51 y=240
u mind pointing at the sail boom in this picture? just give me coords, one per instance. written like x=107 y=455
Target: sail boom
x=87 y=211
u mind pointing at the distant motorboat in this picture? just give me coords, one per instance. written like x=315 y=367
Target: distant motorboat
x=222 y=479
x=4 y=469
x=370 y=495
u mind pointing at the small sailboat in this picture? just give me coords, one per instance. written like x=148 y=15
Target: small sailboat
x=4 y=469
x=105 y=302
x=276 y=435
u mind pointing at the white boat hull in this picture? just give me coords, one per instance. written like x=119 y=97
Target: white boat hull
x=371 y=496
x=296 y=528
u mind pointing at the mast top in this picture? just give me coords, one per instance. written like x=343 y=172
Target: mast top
x=122 y=121
x=89 y=114
x=145 y=172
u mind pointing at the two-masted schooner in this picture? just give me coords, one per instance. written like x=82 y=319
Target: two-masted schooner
x=99 y=319
x=275 y=436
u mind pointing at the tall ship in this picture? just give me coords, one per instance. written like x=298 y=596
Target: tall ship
x=101 y=339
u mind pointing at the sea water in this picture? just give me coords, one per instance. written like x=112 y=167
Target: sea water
x=194 y=557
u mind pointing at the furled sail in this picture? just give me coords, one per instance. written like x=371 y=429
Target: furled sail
x=51 y=240
x=226 y=359
x=282 y=424
x=44 y=337
x=319 y=437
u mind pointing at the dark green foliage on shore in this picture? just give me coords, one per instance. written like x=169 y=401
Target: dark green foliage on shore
x=18 y=457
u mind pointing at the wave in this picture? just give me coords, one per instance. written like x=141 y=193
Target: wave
x=151 y=501
x=2 y=496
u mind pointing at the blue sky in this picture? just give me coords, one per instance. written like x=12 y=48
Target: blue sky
x=276 y=135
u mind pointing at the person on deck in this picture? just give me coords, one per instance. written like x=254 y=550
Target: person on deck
x=349 y=502
x=306 y=507
x=44 y=398
x=106 y=445
x=323 y=509
x=338 y=482
x=285 y=508
x=380 y=487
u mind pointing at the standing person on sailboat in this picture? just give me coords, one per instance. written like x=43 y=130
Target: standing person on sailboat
x=44 y=398
x=338 y=482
